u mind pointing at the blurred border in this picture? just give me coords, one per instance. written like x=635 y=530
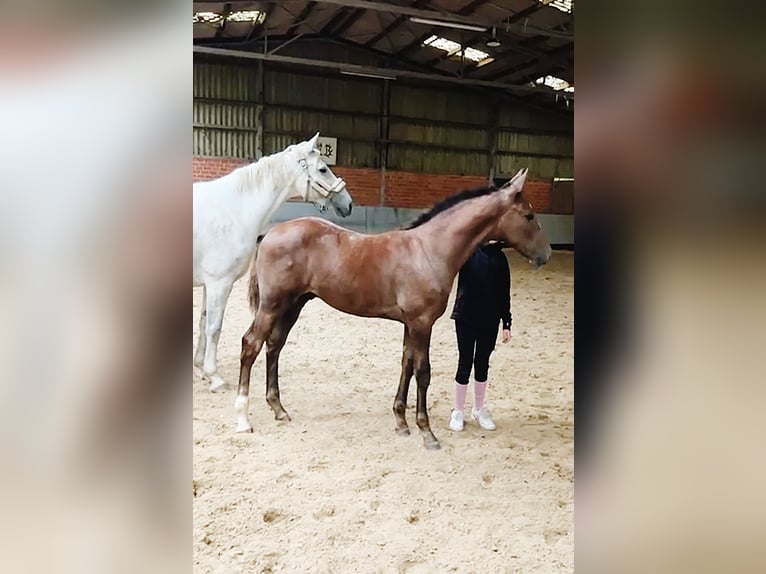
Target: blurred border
x=669 y=284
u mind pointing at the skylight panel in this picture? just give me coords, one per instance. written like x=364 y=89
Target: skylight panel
x=555 y=83
x=563 y=5
x=454 y=49
x=247 y=16
x=255 y=16
x=207 y=17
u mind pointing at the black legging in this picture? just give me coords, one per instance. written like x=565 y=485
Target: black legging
x=474 y=346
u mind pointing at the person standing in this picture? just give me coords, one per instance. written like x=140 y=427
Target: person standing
x=483 y=300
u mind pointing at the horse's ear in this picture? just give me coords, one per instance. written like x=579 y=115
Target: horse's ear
x=516 y=183
x=314 y=141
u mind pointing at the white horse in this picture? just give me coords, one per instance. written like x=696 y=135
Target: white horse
x=231 y=212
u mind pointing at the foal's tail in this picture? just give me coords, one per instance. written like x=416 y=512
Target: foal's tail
x=253 y=295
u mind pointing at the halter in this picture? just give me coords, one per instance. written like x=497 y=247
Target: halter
x=319 y=186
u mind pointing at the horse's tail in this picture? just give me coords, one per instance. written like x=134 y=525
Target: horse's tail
x=253 y=294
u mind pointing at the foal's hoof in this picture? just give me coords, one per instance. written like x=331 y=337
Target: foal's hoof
x=430 y=442
x=404 y=431
x=283 y=416
x=244 y=428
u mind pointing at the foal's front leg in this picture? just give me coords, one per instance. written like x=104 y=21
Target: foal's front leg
x=400 y=400
x=420 y=343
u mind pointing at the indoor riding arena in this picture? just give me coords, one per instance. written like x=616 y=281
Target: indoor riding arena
x=414 y=101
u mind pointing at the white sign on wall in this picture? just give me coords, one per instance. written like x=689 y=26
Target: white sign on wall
x=328 y=147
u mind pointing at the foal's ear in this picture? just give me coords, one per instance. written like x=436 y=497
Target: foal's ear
x=513 y=187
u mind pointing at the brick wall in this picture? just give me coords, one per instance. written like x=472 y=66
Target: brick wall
x=406 y=189
x=539 y=194
x=403 y=189
x=362 y=183
x=204 y=168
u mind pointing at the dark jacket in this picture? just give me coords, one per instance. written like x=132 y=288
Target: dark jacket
x=484 y=289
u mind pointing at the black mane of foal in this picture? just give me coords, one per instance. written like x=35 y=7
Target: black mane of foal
x=449 y=202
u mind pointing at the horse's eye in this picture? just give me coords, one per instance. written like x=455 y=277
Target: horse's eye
x=529 y=216
x=322 y=170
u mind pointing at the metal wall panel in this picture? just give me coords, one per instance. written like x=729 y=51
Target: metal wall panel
x=434 y=104
x=224 y=143
x=225 y=114
x=430 y=130
x=520 y=117
x=440 y=135
x=408 y=158
x=356 y=134
x=539 y=167
x=552 y=145
x=330 y=93
x=225 y=81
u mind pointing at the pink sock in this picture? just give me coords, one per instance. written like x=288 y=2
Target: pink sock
x=479 y=390
x=460 y=391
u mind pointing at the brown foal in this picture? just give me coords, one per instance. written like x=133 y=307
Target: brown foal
x=405 y=275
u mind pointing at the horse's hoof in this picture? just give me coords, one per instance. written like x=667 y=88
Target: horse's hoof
x=403 y=431
x=216 y=384
x=283 y=416
x=243 y=428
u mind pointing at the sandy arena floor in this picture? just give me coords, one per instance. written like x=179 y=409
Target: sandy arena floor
x=335 y=490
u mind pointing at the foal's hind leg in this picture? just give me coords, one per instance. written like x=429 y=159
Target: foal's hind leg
x=400 y=400
x=252 y=343
x=273 y=348
x=217 y=294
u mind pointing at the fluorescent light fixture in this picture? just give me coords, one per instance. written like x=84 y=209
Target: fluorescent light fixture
x=563 y=179
x=448 y=24
x=368 y=74
x=454 y=49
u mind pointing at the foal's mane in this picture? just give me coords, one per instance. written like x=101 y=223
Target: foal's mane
x=274 y=166
x=449 y=202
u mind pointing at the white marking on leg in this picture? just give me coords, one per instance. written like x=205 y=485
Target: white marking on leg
x=241 y=406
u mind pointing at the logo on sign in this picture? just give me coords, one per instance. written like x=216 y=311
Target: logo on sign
x=328 y=148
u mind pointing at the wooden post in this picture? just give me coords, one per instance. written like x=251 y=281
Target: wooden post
x=385 y=105
x=260 y=90
x=493 y=130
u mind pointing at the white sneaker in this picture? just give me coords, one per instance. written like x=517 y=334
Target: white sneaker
x=456 y=421
x=482 y=417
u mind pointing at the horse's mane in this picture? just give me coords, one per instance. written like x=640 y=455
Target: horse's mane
x=274 y=167
x=449 y=202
